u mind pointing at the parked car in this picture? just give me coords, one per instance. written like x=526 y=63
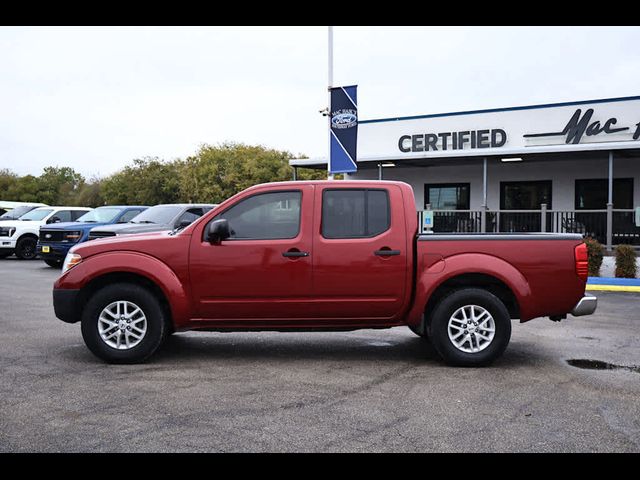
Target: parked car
x=14 y=210
x=155 y=219
x=56 y=239
x=321 y=255
x=21 y=236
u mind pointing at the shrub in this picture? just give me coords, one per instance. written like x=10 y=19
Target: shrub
x=595 y=251
x=625 y=261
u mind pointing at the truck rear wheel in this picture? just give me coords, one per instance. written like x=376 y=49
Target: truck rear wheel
x=470 y=328
x=123 y=323
x=26 y=248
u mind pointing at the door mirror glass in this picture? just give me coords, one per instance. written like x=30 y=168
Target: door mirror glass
x=218 y=230
x=54 y=219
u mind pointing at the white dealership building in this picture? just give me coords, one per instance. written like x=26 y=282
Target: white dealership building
x=564 y=167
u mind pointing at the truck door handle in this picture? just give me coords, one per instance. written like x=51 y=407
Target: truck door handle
x=294 y=252
x=386 y=252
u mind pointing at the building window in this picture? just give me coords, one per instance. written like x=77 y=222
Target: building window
x=447 y=196
x=592 y=194
x=525 y=195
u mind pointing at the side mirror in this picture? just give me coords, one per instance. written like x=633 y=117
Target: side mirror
x=184 y=223
x=54 y=219
x=217 y=231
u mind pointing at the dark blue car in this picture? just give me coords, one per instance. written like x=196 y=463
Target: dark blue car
x=56 y=239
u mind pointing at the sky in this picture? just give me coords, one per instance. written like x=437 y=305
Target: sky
x=96 y=98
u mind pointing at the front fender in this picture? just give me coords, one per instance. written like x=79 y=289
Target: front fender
x=136 y=263
x=432 y=274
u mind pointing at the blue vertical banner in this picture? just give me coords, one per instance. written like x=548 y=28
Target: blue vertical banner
x=343 y=121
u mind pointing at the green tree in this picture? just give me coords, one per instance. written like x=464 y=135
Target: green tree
x=90 y=194
x=217 y=172
x=25 y=189
x=8 y=181
x=148 y=181
x=59 y=185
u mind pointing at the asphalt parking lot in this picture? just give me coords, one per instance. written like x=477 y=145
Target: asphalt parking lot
x=357 y=391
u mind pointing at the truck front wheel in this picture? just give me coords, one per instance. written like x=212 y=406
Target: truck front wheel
x=53 y=263
x=470 y=328
x=123 y=323
x=26 y=248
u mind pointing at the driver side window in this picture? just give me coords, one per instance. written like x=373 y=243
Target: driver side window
x=265 y=216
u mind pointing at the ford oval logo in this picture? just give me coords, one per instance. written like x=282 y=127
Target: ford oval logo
x=344 y=119
x=48 y=235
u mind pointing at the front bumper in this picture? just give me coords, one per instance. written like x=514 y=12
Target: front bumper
x=64 y=305
x=586 y=306
x=7 y=244
x=55 y=251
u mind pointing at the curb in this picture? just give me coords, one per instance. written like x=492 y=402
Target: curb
x=613 y=284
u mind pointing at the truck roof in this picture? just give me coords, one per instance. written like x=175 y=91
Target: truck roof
x=123 y=206
x=332 y=182
x=63 y=206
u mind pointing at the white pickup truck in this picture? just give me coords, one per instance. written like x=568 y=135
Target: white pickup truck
x=21 y=236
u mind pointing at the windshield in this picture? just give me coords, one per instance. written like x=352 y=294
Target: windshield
x=158 y=214
x=100 y=215
x=18 y=212
x=37 y=214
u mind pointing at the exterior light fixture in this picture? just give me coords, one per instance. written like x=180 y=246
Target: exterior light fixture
x=512 y=159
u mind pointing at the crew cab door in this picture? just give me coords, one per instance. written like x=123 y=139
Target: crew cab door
x=263 y=272
x=360 y=257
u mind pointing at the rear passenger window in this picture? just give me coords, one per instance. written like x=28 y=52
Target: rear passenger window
x=76 y=214
x=128 y=215
x=190 y=216
x=64 y=215
x=354 y=213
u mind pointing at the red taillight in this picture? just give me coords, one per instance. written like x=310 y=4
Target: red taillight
x=582 y=261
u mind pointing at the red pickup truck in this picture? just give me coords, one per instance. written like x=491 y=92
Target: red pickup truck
x=323 y=255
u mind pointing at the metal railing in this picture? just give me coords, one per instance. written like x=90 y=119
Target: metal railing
x=610 y=227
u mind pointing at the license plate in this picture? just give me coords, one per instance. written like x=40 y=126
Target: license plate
x=45 y=249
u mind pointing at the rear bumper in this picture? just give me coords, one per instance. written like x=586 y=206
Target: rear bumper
x=64 y=305
x=586 y=306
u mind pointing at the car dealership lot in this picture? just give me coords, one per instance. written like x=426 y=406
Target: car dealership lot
x=367 y=390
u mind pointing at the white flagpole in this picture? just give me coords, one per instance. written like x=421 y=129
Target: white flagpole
x=330 y=81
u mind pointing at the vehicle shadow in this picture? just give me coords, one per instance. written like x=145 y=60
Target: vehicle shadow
x=294 y=346
x=347 y=347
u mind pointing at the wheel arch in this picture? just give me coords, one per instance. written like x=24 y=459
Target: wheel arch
x=469 y=270
x=103 y=280
x=482 y=281
x=140 y=268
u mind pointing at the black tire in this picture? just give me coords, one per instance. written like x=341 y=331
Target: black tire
x=53 y=263
x=157 y=327
x=439 y=328
x=26 y=248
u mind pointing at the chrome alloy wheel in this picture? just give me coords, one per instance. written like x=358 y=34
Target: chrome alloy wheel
x=471 y=328
x=122 y=325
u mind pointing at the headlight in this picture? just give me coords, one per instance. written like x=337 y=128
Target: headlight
x=71 y=236
x=7 y=231
x=70 y=261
